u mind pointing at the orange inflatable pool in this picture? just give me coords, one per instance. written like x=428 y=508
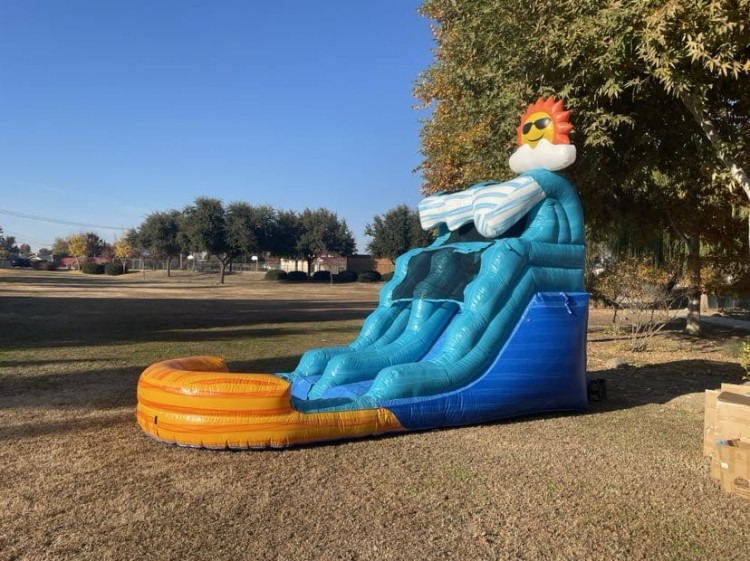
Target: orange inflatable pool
x=195 y=401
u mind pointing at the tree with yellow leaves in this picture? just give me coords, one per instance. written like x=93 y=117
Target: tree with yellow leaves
x=77 y=247
x=123 y=250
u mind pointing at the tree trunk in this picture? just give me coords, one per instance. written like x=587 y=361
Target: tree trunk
x=693 y=324
x=695 y=107
x=169 y=266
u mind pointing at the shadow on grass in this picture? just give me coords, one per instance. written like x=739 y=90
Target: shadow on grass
x=102 y=388
x=4 y=363
x=35 y=322
x=60 y=427
x=664 y=382
x=71 y=280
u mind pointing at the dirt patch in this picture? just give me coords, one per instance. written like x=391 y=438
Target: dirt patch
x=80 y=480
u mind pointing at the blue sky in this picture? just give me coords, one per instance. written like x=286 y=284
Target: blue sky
x=110 y=110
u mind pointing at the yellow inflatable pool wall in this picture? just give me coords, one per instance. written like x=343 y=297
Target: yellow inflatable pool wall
x=195 y=401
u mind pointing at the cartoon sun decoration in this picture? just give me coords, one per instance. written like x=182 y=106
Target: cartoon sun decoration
x=546 y=119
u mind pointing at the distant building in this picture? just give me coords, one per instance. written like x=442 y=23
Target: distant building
x=335 y=263
x=70 y=262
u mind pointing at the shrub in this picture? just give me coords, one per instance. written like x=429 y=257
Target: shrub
x=276 y=274
x=114 y=269
x=296 y=276
x=387 y=276
x=345 y=276
x=639 y=295
x=370 y=276
x=92 y=268
x=45 y=266
x=321 y=276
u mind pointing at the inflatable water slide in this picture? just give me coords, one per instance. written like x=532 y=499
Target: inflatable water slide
x=488 y=322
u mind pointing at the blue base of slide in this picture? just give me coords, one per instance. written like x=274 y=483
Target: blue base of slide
x=542 y=368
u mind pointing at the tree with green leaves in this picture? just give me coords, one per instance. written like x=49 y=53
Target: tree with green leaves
x=699 y=52
x=240 y=229
x=159 y=235
x=323 y=233
x=613 y=62
x=250 y=229
x=95 y=246
x=205 y=226
x=658 y=89
x=8 y=245
x=286 y=232
x=265 y=223
x=60 y=247
x=395 y=232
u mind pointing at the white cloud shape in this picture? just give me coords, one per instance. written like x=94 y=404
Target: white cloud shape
x=546 y=155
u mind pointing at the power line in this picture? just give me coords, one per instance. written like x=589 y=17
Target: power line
x=24 y=239
x=58 y=221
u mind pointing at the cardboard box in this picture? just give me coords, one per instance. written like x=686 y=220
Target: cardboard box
x=709 y=422
x=726 y=416
x=741 y=389
x=732 y=416
x=734 y=465
x=716 y=465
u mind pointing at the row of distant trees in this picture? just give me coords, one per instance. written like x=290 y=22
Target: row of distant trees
x=239 y=230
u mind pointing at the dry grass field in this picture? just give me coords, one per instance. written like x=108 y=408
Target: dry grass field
x=80 y=481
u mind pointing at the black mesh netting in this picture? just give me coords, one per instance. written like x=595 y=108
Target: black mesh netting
x=439 y=274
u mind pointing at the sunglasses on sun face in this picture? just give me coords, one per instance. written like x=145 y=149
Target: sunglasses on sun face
x=539 y=123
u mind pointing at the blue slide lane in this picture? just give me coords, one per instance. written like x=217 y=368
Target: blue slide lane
x=471 y=329
x=541 y=369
